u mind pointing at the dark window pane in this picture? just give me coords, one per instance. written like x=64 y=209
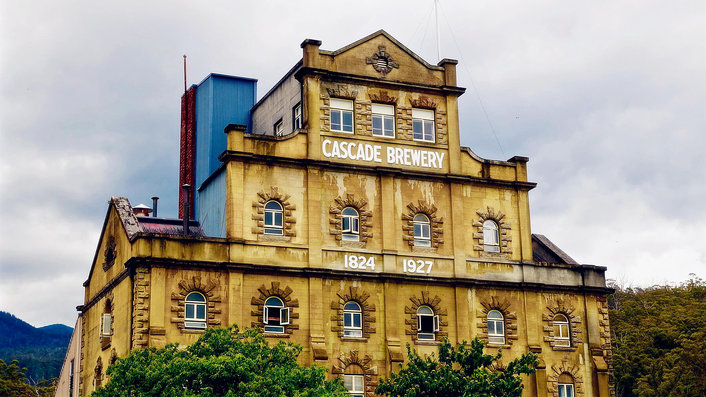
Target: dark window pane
x=336 y=120
x=389 y=127
x=189 y=311
x=377 y=125
x=347 y=121
x=356 y=320
x=417 y=127
x=201 y=312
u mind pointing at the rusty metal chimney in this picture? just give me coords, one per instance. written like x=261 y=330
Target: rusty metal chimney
x=154 y=206
x=186 y=188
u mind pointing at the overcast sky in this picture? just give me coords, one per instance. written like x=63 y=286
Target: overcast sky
x=606 y=98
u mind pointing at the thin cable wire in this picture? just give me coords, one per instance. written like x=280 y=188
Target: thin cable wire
x=426 y=27
x=417 y=30
x=473 y=84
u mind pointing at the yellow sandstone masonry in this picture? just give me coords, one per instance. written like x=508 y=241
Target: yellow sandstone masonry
x=422 y=261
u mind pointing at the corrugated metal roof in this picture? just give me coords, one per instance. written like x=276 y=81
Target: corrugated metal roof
x=168 y=226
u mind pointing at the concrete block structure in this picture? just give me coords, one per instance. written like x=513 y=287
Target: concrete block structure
x=341 y=213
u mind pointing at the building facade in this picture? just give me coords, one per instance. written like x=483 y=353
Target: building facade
x=341 y=213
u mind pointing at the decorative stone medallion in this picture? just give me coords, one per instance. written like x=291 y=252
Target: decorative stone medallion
x=110 y=253
x=382 y=62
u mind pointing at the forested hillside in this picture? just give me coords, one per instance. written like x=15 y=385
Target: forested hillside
x=659 y=340
x=40 y=350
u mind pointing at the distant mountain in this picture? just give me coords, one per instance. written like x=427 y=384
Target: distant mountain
x=41 y=350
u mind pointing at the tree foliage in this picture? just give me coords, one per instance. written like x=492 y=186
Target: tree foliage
x=223 y=362
x=659 y=340
x=12 y=382
x=461 y=371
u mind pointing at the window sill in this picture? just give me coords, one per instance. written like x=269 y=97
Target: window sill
x=564 y=348
x=273 y=237
x=354 y=339
x=193 y=330
x=498 y=346
x=427 y=342
x=273 y=335
x=421 y=249
x=352 y=244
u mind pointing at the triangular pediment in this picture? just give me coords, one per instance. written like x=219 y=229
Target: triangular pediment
x=381 y=56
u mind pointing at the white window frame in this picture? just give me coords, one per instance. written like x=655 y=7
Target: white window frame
x=105 y=326
x=297 y=116
x=277 y=310
x=351 y=330
x=422 y=230
x=195 y=322
x=279 y=128
x=562 y=325
x=342 y=107
x=491 y=236
x=350 y=225
x=272 y=227
x=425 y=119
x=426 y=311
x=495 y=337
x=566 y=390
x=349 y=381
x=384 y=113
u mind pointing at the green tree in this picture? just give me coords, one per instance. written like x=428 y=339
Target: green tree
x=659 y=340
x=223 y=362
x=461 y=371
x=13 y=382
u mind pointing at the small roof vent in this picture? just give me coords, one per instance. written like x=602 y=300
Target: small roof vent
x=142 y=210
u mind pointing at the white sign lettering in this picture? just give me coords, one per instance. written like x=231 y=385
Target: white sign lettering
x=373 y=153
x=360 y=262
x=417 y=266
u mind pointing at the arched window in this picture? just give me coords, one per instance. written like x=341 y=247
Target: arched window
x=427 y=323
x=273 y=218
x=350 y=224
x=274 y=315
x=491 y=237
x=354 y=380
x=566 y=385
x=422 y=231
x=562 y=337
x=195 y=306
x=496 y=328
x=352 y=320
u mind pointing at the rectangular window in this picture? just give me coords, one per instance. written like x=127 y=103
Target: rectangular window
x=383 y=120
x=561 y=335
x=423 y=125
x=106 y=320
x=427 y=326
x=279 y=129
x=354 y=384
x=71 y=378
x=341 y=115
x=297 y=117
x=566 y=390
x=275 y=318
x=352 y=324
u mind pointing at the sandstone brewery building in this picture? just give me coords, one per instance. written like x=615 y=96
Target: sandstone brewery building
x=341 y=213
